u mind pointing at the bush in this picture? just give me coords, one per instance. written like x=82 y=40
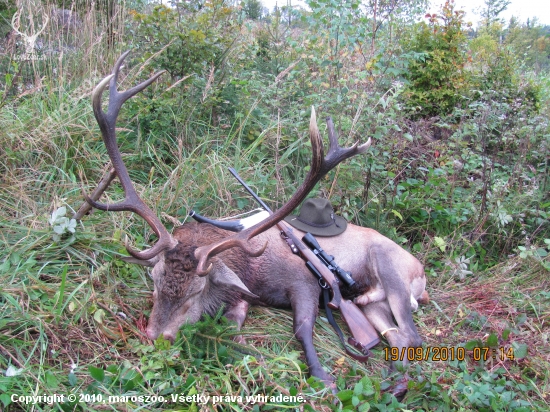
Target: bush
x=436 y=79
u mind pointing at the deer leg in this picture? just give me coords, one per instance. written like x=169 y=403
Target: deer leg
x=401 y=310
x=398 y=296
x=237 y=313
x=380 y=316
x=305 y=310
x=375 y=294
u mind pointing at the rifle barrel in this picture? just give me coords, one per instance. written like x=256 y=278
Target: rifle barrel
x=254 y=195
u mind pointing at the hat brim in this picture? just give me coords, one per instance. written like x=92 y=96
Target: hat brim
x=332 y=230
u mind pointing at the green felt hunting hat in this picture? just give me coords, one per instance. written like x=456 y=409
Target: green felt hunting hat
x=317 y=217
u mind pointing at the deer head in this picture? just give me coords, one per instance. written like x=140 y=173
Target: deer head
x=185 y=266
x=30 y=40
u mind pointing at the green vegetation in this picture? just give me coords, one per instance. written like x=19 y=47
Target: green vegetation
x=436 y=75
x=458 y=174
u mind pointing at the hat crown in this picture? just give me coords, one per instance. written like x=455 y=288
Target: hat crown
x=316 y=212
x=317 y=217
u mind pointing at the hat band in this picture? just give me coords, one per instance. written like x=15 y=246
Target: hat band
x=319 y=224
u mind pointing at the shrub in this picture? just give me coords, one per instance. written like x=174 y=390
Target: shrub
x=436 y=79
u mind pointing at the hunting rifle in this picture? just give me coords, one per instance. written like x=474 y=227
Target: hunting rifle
x=364 y=335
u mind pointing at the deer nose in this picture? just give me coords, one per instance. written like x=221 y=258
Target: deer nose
x=169 y=336
x=151 y=333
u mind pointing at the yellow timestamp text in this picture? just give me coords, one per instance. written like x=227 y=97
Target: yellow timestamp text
x=448 y=353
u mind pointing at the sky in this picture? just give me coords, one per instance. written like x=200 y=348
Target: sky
x=523 y=9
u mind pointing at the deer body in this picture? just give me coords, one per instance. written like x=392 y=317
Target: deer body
x=277 y=278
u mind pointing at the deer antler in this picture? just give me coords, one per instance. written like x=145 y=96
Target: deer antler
x=30 y=40
x=15 y=23
x=45 y=22
x=107 y=122
x=320 y=166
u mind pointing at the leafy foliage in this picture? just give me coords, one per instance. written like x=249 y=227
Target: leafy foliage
x=436 y=77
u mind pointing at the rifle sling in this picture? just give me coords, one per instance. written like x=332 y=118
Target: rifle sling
x=351 y=341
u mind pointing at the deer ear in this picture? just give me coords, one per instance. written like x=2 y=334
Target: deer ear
x=221 y=275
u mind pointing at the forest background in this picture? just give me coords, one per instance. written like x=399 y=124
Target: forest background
x=458 y=174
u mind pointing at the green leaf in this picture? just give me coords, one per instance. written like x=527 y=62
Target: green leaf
x=542 y=252
x=368 y=388
x=440 y=243
x=365 y=407
x=99 y=315
x=9 y=78
x=6 y=399
x=492 y=340
x=51 y=380
x=4 y=267
x=72 y=379
x=132 y=383
x=97 y=373
x=358 y=390
x=397 y=214
x=222 y=351
x=521 y=319
x=345 y=395
x=472 y=344
x=520 y=350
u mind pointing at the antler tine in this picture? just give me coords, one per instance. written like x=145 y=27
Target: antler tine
x=16 y=16
x=121 y=97
x=320 y=165
x=43 y=26
x=239 y=239
x=107 y=123
x=336 y=154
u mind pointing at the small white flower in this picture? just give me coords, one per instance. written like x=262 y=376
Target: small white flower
x=13 y=371
x=61 y=224
x=57 y=215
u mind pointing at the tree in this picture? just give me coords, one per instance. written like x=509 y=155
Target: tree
x=252 y=9
x=492 y=9
x=436 y=79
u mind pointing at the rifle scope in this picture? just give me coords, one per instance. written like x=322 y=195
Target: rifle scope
x=328 y=260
